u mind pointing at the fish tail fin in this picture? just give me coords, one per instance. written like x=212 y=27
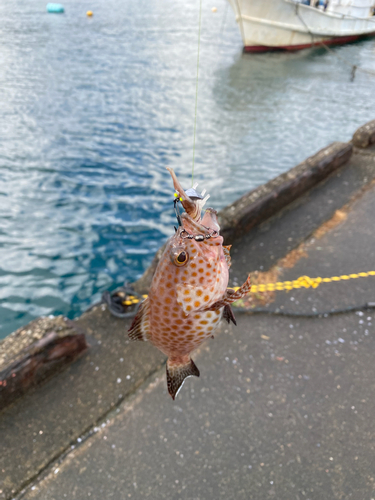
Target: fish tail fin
x=177 y=372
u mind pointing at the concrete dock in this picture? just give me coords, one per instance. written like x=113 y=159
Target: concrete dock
x=284 y=405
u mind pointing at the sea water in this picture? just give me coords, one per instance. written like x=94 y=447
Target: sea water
x=92 y=110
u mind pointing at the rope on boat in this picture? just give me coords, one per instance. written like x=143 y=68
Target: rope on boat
x=328 y=49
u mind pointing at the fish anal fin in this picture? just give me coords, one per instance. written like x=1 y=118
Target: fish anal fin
x=226 y=249
x=228 y=315
x=140 y=327
x=177 y=373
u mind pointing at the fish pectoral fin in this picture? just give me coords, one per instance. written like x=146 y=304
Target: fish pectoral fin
x=228 y=315
x=140 y=327
x=231 y=296
x=177 y=373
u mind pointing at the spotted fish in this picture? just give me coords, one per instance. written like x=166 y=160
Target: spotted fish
x=188 y=295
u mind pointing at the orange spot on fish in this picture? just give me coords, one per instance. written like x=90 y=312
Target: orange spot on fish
x=194 y=274
x=187 y=299
x=206 y=298
x=188 y=308
x=197 y=303
x=203 y=322
x=168 y=300
x=193 y=266
x=199 y=293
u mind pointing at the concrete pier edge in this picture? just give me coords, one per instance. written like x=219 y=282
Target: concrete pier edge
x=249 y=211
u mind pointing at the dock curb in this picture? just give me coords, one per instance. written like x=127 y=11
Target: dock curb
x=34 y=353
x=365 y=135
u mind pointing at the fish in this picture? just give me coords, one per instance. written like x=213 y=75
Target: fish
x=189 y=293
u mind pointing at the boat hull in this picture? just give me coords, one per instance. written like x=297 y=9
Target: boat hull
x=285 y=25
x=329 y=41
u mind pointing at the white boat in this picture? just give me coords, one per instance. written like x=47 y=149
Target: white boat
x=293 y=25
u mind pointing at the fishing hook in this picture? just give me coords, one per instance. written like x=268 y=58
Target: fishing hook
x=177 y=211
x=193 y=195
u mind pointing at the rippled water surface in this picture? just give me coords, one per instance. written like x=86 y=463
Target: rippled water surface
x=92 y=110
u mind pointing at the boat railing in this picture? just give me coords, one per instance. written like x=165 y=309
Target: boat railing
x=312 y=4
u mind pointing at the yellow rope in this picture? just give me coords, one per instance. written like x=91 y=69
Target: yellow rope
x=301 y=282
x=305 y=282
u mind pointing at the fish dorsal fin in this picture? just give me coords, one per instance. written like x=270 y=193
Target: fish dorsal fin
x=227 y=254
x=140 y=328
x=177 y=373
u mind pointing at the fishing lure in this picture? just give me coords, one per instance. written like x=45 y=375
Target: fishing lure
x=188 y=295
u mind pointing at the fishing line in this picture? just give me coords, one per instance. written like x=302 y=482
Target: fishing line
x=196 y=89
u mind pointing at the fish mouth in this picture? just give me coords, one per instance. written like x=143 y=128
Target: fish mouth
x=192 y=204
x=189 y=225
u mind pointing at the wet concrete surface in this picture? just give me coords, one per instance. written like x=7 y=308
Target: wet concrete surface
x=283 y=408
x=348 y=248
x=286 y=415
x=45 y=422
x=261 y=247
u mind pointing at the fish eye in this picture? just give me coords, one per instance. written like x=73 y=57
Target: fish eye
x=180 y=258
